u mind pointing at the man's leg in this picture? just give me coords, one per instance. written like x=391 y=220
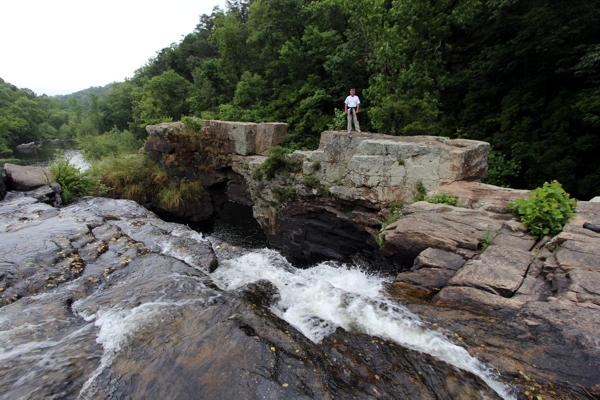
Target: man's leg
x=356 y=121
x=349 y=118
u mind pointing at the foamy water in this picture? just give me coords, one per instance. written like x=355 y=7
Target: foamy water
x=329 y=295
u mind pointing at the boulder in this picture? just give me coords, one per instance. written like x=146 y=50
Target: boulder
x=28 y=146
x=430 y=272
x=2 y=185
x=246 y=138
x=24 y=178
x=498 y=270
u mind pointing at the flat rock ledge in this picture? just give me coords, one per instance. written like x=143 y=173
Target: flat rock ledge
x=538 y=302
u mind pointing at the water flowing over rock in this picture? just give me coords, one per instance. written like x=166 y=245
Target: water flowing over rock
x=102 y=299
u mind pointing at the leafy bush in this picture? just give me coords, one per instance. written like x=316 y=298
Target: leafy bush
x=421 y=192
x=284 y=193
x=276 y=163
x=339 y=122
x=442 y=198
x=73 y=182
x=137 y=178
x=310 y=181
x=546 y=210
x=501 y=171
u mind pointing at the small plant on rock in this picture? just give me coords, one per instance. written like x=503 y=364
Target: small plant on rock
x=277 y=162
x=546 y=210
x=443 y=198
x=421 y=192
x=284 y=193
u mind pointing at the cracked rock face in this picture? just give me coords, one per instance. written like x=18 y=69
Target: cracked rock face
x=528 y=306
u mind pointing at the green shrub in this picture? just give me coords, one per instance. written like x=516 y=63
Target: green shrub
x=339 y=122
x=192 y=124
x=310 y=181
x=112 y=143
x=73 y=182
x=284 y=193
x=316 y=165
x=277 y=162
x=442 y=198
x=546 y=210
x=136 y=177
x=500 y=170
x=421 y=192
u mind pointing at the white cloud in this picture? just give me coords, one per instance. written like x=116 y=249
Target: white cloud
x=62 y=46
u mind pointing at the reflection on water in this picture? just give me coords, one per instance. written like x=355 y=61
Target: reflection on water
x=46 y=153
x=234 y=224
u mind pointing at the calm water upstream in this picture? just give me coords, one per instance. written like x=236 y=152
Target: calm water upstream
x=46 y=153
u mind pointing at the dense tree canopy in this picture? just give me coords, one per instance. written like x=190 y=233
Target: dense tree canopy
x=521 y=74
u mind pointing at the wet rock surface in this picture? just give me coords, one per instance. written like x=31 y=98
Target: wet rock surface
x=104 y=300
x=528 y=306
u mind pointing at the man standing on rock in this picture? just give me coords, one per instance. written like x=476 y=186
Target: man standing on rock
x=351 y=107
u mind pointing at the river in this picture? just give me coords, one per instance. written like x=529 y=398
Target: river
x=43 y=155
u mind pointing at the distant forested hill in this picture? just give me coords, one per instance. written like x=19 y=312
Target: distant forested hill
x=83 y=96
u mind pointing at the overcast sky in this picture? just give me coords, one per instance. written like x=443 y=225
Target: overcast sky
x=62 y=46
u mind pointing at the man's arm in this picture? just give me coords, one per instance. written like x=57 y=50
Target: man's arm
x=345 y=108
x=357 y=107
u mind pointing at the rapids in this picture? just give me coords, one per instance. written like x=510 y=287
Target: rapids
x=329 y=295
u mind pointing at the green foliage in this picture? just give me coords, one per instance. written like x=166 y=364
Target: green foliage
x=501 y=172
x=421 y=192
x=73 y=182
x=546 y=210
x=192 y=124
x=277 y=162
x=485 y=242
x=339 y=122
x=442 y=198
x=316 y=165
x=113 y=143
x=137 y=178
x=310 y=181
x=284 y=193
x=393 y=216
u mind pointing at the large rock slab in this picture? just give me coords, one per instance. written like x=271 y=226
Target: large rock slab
x=381 y=169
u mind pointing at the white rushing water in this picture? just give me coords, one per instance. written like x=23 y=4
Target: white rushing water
x=329 y=295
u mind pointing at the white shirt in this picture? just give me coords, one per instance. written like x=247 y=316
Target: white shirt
x=352 y=101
